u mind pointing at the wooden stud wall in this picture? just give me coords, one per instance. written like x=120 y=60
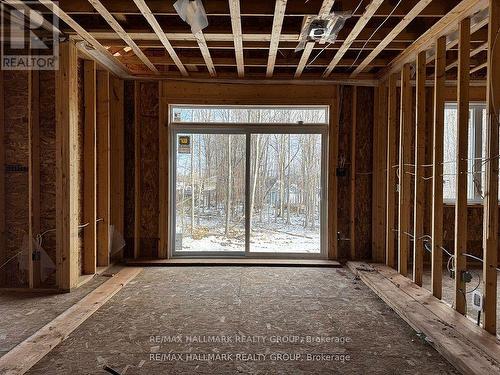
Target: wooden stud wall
x=137 y=169
x=333 y=153
x=352 y=174
x=89 y=170
x=163 y=151
x=67 y=174
x=3 y=254
x=379 y=174
x=462 y=164
x=117 y=157
x=103 y=172
x=34 y=173
x=391 y=172
x=404 y=178
x=490 y=225
x=420 y=139
x=437 y=169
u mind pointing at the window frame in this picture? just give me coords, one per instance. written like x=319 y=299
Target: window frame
x=476 y=138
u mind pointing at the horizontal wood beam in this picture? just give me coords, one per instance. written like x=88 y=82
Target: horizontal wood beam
x=279 y=13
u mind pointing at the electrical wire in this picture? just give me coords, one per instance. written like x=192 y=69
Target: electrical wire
x=329 y=44
x=377 y=29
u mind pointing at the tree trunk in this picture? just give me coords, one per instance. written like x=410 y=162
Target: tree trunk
x=229 y=185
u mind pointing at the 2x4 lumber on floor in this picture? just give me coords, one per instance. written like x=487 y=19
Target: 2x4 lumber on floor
x=352 y=185
x=391 y=172
x=25 y=355
x=462 y=163
x=437 y=169
x=89 y=169
x=149 y=16
x=490 y=225
x=279 y=15
x=407 y=19
x=103 y=173
x=67 y=179
x=356 y=30
x=405 y=132
x=455 y=337
x=333 y=154
x=419 y=206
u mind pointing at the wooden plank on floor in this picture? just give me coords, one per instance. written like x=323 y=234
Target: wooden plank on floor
x=406 y=122
x=462 y=163
x=352 y=184
x=419 y=206
x=391 y=172
x=103 y=174
x=89 y=169
x=25 y=355
x=232 y=262
x=490 y=221
x=437 y=169
x=460 y=350
x=333 y=155
x=462 y=324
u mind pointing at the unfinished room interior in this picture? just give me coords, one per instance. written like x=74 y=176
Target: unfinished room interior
x=249 y=187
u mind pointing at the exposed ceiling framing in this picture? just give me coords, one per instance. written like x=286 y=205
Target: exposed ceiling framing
x=256 y=39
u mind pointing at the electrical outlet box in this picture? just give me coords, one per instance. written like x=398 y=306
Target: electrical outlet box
x=477 y=300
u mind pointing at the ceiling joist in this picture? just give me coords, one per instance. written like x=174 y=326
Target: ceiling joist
x=412 y=14
x=360 y=25
x=104 y=56
x=279 y=14
x=234 y=7
x=148 y=15
x=122 y=33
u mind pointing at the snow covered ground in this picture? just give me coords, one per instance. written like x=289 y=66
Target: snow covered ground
x=269 y=237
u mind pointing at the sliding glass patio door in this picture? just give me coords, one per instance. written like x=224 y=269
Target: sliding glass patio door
x=247 y=188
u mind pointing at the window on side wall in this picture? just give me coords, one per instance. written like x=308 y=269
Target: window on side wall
x=476 y=152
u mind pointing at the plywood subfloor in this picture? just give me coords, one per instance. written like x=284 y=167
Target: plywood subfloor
x=251 y=302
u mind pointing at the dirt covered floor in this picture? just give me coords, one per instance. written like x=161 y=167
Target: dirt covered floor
x=254 y=320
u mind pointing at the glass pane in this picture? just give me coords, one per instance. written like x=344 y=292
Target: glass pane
x=210 y=192
x=251 y=115
x=285 y=195
x=450 y=151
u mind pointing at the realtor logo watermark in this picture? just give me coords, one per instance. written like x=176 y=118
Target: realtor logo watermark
x=29 y=41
